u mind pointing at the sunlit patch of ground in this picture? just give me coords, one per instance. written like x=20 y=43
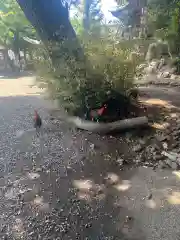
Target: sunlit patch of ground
x=18 y=229
x=177 y=174
x=39 y=203
x=18 y=87
x=160 y=126
x=174 y=198
x=159 y=102
x=123 y=186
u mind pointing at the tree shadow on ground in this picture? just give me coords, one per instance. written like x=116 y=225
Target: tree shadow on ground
x=77 y=192
x=14 y=75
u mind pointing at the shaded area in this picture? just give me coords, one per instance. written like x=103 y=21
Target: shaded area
x=76 y=185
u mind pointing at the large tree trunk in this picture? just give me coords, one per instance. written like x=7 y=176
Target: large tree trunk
x=51 y=20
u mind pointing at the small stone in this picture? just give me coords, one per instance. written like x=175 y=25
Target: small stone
x=137 y=148
x=142 y=141
x=88 y=225
x=39 y=169
x=92 y=146
x=165 y=145
x=112 y=178
x=120 y=161
x=129 y=218
x=166 y=74
x=174 y=77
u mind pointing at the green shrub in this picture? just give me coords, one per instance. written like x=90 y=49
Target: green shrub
x=109 y=69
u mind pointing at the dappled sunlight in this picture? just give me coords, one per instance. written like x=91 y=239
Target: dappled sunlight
x=83 y=184
x=39 y=203
x=84 y=196
x=123 y=186
x=177 y=174
x=160 y=126
x=33 y=175
x=19 y=87
x=174 y=115
x=112 y=178
x=87 y=190
x=174 y=198
x=159 y=102
x=151 y=204
x=18 y=229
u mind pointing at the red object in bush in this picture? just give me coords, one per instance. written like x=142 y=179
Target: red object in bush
x=98 y=112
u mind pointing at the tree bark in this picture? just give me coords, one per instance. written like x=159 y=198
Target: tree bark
x=51 y=20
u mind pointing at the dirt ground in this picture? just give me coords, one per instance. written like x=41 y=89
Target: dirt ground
x=70 y=184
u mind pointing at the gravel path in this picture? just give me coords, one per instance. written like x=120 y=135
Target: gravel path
x=71 y=185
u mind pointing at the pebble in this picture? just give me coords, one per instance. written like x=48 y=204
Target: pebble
x=165 y=145
x=137 y=148
x=39 y=169
x=120 y=161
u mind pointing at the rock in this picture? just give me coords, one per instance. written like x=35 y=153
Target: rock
x=112 y=178
x=137 y=148
x=159 y=75
x=141 y=67
x=172 y=164
x=162 y=165
x=149 y=70
x=170 y=155
x=120 y=161
x=166 y=75
x=138 y=160
x=92 y=146
x=173 y=70
x=165 y=145
x=142 y=142
x=154 y=64
x=174 y=77
x=39 y=170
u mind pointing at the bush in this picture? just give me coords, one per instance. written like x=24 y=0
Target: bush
x=109 y=70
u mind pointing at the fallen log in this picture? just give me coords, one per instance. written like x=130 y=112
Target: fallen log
x=106 y=127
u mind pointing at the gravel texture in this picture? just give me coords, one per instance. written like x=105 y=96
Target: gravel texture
x=68 y=184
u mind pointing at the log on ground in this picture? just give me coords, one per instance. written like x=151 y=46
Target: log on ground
x=106 y=127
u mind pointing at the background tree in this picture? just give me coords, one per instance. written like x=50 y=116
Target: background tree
x=79 y=78
x=14 y=26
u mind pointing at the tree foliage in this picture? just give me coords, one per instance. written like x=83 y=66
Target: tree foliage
x=14 y=25
x=164 y=17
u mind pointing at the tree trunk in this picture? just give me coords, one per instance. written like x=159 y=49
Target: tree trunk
x=86 y=13
x=51 y=20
